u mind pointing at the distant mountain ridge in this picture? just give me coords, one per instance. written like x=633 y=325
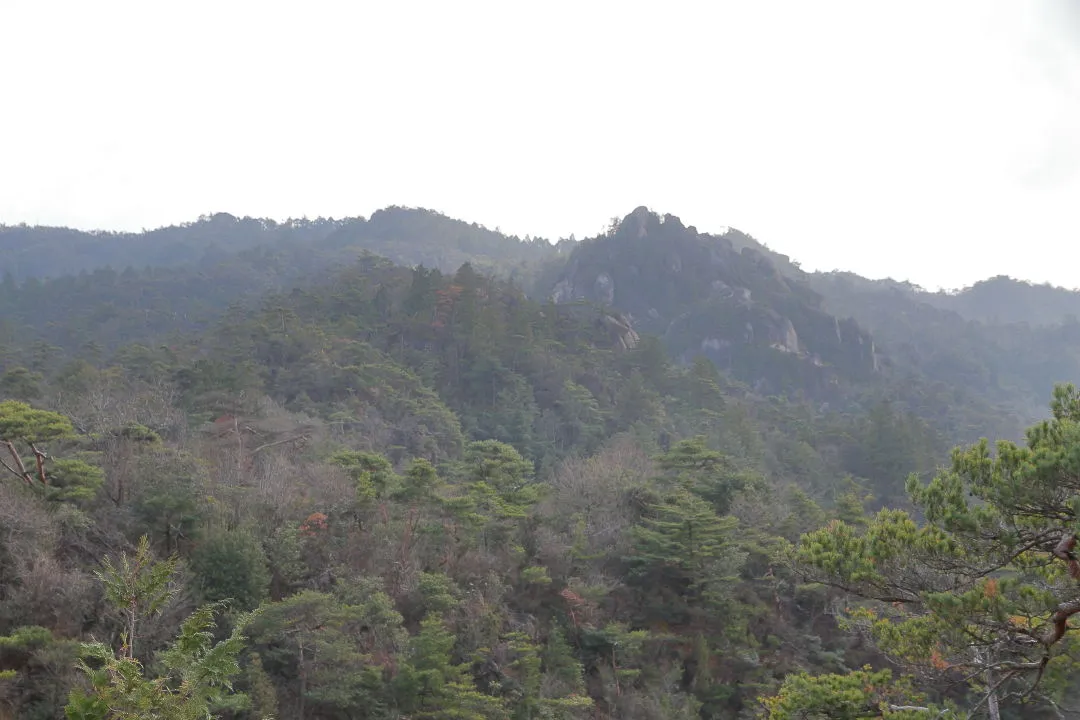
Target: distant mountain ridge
x=987 y=354
x=408 y=236
x=1002 y=300
x=995 y=301
x=412 y=236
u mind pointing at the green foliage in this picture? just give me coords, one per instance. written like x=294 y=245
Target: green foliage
x=707 y=473
x=231 y=566
x=36 y=674
x=495 y=491
x=18 y=383
x=985 y=588
x=260 y=689
x=334 y=649
x=73 y=480
x=438 y=592
x=138 y=587
x=198 y=680
x=420 y=482
x=166 y=501
x=373 y=474
x=683 y=547
x=23 y=424
x=525 y=690
x=459 y=501
x=431 y=685
x=581 y=423
x=497 y=474
x=198 y=672
x=858 y=694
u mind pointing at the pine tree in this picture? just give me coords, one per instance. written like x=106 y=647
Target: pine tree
x=198 y=672
x=985 y=588
x=430 y=685
x=683 y=548
x=854 y=696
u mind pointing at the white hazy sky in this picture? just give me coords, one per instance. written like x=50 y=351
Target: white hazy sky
x=931 y=140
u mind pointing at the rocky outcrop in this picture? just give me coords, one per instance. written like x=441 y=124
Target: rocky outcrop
x=624 y=337
x=616 y=328
x=604 y=289
x=703 y=295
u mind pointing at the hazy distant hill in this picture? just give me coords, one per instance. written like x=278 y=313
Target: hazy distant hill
x=997 y=300
x=755 y=314
x=1005 y=300
x=953 y=359
x=405 y=235
x=1002 y=342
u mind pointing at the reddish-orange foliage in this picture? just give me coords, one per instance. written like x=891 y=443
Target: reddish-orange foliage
x=315 y=523
x=444 y=304
x=574 y=600
x=571 y=597
x=938 y=661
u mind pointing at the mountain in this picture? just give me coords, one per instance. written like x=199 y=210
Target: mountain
x=703 y=296
x=985 y=358
x=1003 y=300
x=408 y=236
x=827 y=337
x=71 y=288
x=1000 y=300
x=482 y=477
x=831 y=339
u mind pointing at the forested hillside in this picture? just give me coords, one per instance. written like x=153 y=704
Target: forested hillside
x=405 y=235
x=407 y=467
x=1002 y=300
x=996 y=348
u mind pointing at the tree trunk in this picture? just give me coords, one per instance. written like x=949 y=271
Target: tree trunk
x=992 y=708
x=303 y=679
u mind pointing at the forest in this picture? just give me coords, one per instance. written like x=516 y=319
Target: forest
x=409 y=467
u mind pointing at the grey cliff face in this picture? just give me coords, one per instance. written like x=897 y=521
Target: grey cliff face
x=704 y=296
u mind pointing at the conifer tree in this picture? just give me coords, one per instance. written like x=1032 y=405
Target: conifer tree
x=983 y=591
x=198 y=672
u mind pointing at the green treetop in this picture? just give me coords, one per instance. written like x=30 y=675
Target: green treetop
x=23 y=427
x=982 y=592
x=198 y=673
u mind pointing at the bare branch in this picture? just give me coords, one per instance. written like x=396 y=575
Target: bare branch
x=18 y=462
x=279 y=442
x=10 y=469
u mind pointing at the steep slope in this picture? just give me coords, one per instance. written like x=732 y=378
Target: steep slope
x=1012 y=366
x=984 y=360
x=705 y=297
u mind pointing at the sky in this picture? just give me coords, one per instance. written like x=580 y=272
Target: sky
x=937 y=142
